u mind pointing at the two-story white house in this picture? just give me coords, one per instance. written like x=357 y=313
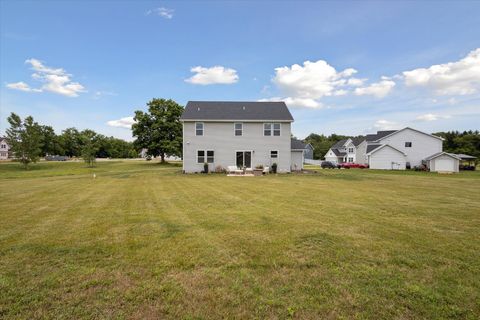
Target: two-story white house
x=4 y=149
x=350 y=150
x=242 y=134
x=398 y=149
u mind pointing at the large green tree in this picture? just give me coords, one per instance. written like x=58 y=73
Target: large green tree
x=89 y=142
x=25 y=139
x=159 y=130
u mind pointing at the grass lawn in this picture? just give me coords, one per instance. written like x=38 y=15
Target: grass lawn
x=144 y=241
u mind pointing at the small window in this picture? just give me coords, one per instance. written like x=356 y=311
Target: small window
x=350 y=150
x=276 y=129
x=210 y=156
x=350 y=159
x=200 y=156
x=199 y=128
x=267 y=129
x=274 y=154
x=239 y=129
x=408 y=144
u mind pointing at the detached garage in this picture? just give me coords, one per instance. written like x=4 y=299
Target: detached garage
x=443 y=162
x=385 y=157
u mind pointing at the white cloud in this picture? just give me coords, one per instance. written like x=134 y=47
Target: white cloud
x=297 y=102
x=55 y=80
x=122 y=123
x=431 y=117
x=99 y=94
x=454 y=78
x=213 y=75
x=385 y=125
x=161 y=12
x=313 y=80
x=22 y=86
x=379 y=89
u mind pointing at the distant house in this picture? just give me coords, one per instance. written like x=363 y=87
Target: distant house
x=395 y=150
x=4 y=149
x=298 y=148
x=308 y=153
x=347 y=150
x=241 y=134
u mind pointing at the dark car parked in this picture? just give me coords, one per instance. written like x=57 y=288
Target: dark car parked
x=328 y=165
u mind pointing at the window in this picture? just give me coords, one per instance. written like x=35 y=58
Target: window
x=276 y=129
x=199 y=128
x=350 y=159
x=267 y=129
x=274 y=154
x=200 y=156
x=210 y=156
x=238 y=129
x=408 y=144
x=350 y=150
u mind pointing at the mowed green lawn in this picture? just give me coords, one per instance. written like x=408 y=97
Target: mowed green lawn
x=144 y=241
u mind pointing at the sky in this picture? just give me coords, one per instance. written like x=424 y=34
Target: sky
x=342 y=67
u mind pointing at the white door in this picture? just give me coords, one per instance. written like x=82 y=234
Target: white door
x=444 y=165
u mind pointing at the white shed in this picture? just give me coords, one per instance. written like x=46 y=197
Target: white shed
x=443 y=162
x=386 y=157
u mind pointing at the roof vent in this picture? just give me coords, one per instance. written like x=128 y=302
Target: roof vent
x=243 y=107
x=198 y=108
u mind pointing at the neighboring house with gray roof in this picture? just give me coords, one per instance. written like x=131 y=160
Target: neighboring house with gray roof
x=347 y=150
x=242 y=134
x=4 y=149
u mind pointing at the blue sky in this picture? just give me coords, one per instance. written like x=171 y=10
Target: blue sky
x=343 y=67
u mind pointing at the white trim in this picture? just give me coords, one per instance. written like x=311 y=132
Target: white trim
x=204 y=156
x=442 y=154
x=271 y=129
x=203 y=129
x=393 y=133
x=383 y=146
x=234 y=120
x=235 y=130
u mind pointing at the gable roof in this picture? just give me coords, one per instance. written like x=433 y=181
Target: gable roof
x=395 y=132
x=372 y=147
x=383 y=146
x=339 y=144
x=236 y=110
x=438 y=154
x=338 y=153
x=357 y=141
x=379 y=135
x=297 y=144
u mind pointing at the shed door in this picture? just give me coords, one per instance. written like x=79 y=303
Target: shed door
x=444 y=165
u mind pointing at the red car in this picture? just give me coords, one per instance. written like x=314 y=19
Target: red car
x=348 y=165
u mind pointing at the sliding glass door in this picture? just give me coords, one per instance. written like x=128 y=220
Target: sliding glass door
x=244 y=159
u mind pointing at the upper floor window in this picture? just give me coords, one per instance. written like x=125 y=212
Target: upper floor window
x=408 y=144
x=276 y=129
x=350 y=150
x=270 y=129
x=267 y=129
x=4 y=146
x=239 y=129
x=199 y=128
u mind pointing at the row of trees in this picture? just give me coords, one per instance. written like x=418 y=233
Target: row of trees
x=466 y=142
x=29 y=140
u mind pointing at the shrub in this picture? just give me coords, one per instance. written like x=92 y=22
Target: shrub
x=220 y=169
x=274 y=167
x=259 y=166
x=205 y=167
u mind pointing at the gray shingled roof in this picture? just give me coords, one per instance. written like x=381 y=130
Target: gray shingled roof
x=339 y=144
x=357 y=141
x=379 y=135
x=297 y=144
x=236 y=110
x=338 y=153
x=372 y=147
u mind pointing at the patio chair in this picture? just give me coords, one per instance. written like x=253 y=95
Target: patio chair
x=266 y=170
x=234 y=170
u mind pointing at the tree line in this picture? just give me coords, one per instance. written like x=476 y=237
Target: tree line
x=29 y=141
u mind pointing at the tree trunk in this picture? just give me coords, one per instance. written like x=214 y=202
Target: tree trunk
x=162 y=156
